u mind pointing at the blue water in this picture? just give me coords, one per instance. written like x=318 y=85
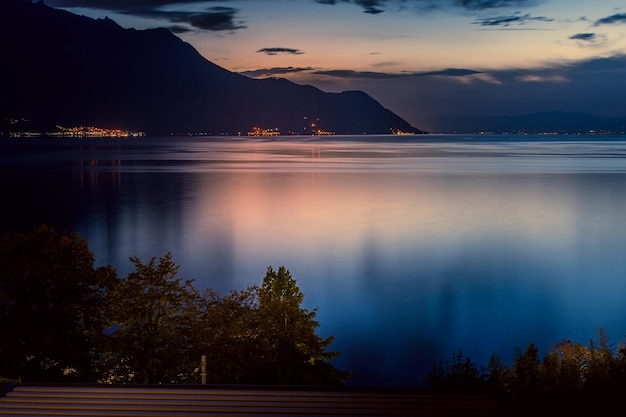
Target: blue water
x=411 y=247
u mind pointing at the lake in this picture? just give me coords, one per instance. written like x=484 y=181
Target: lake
x=412 y=247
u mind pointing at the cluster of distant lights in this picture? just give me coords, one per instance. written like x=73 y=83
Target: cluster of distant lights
x=259 y=131
x=274 y=131
x=99 y=132
x=402 y=132
x=79 y=132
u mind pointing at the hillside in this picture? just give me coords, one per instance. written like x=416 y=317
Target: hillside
x=63 y=69
x=543 y=122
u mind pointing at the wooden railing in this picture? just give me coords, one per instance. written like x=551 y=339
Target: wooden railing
x=186 y=401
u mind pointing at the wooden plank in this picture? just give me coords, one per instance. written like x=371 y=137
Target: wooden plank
x=77 y=400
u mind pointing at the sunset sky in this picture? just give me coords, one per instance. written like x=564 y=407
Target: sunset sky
x=419 y=58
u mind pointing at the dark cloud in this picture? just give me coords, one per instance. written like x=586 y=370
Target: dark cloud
x=372 y=10
x=369 y=6
x=179 y=29
x=583 y=37
x=509 y=20
x=276 y=51
x=493 y=4
x=612 y=20
x=123 y=5
x=359 y=74
x=589 y=40
x=271 y=72
x=450 y=72
x=379 y=6
x=217 y=18
x=212 y=19
x=180 y=11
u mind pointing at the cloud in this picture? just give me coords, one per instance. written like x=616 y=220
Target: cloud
x=179 y=29
x=611 y=20
x=509 y=20
x=212 y=19
x=358 y=74
x=590 y=40
x=542 y=78
x=386 y=64
x=180 y=11
x=271 y=72
x=276 y=51
x=378 y=6
x=588 y=37
x=493 y=4
x=449 y=72
x=123 y=5
x=369 y=6
x=218 y=18
x=484 y=77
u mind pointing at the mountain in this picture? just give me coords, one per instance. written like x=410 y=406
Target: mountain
x=63 y=69
x=543 y=122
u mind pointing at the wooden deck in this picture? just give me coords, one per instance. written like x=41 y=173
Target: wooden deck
x=188 y=401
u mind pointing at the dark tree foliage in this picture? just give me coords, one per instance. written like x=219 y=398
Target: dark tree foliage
x=263 y=335
x=260 y=335
x=457 y=374
x=571 y=379
x=294 y=352
x=526 y=369
x=53 y=306
x=226 y=330
x=62 y=319
x=150 y=317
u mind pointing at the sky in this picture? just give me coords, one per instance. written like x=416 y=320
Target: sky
x=419 y=58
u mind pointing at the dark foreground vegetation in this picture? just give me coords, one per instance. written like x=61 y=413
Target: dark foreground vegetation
x=570 y=379
x=62 y=319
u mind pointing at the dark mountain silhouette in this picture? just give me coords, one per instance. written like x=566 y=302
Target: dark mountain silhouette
x=543 y=122
x=59 y=68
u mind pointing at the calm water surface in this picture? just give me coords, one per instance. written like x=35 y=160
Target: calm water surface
x=412 y=248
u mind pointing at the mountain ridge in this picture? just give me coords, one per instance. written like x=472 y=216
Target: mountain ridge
x=555 y=121
x=71 y=70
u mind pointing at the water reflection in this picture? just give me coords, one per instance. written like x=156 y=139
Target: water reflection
x=411 y=250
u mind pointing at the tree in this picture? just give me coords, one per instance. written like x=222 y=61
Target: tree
x=262 y=335
x=527 y=371
x=293 y=352
x=152 y=337
x=498 y=376
x=585 y=367
x=53 y=307
x=226 y=329
x=457 y=374
x=62 y=319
